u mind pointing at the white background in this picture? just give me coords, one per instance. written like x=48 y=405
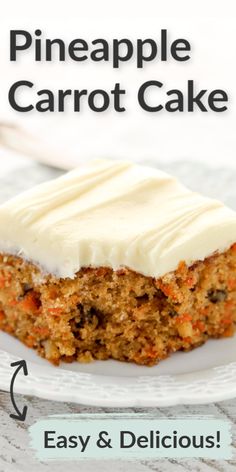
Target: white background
x=209 y=26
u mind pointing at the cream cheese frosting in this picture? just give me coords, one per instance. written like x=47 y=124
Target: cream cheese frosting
x=114 y=214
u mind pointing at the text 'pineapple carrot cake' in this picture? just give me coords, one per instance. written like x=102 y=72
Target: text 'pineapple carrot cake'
x=116 y=260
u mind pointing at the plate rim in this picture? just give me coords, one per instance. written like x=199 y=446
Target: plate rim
x=205 y=386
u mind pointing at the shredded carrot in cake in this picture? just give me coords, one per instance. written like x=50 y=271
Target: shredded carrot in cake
x=55 y=311
x=102 y=314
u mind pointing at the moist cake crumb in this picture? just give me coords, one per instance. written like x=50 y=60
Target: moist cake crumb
x=120 y=314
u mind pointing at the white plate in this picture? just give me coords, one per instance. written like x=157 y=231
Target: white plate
x=207 y=374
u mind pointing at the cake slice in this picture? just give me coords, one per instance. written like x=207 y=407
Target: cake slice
x=116 y=260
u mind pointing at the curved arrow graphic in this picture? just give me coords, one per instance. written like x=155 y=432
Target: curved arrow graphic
x=20 y=416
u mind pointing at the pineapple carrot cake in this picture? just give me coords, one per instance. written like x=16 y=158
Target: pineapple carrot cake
x=116 y=260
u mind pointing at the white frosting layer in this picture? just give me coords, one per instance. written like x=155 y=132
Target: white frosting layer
x=114 y=214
